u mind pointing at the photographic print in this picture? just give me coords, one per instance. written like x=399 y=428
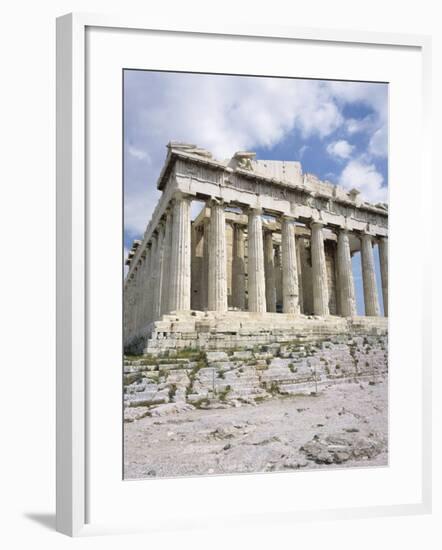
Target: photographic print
x=255 y=287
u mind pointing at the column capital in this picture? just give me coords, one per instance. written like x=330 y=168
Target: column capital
x=287 y=217
x=179 y=195
x=319 y=223
x=215 y=200
x=366 y=236
x=257 y=210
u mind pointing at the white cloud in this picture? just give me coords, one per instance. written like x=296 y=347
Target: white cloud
x=302 y=150
x=355 y=125
x=138 y=153
x=378 y=145
x=341 y=149
x=363 y=176
x=224 y=114
x=371 y=94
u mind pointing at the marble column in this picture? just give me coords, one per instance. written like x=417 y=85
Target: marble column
x=369 y=276
x=383 y=260
x=167 y=247
x=180 y=277
x=152 y=276
x=205 y=266
x=158 y=290
x=238 y=269
x=290 y=292
x=129 y=303
x=217 y=280
x=298 y=265
x=146 y=284
x=319 y=271
x=346 y=289
x=137 y=297
x=256 y=277
x=269 y=269
x=278 y=274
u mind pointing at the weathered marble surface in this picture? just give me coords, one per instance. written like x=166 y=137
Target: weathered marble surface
x=269 y=239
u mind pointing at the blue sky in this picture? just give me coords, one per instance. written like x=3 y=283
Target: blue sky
x=337 y=130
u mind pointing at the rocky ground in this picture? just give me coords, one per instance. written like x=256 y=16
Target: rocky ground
x=344 y=425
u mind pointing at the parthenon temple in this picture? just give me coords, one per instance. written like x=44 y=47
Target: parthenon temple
x=271 y=244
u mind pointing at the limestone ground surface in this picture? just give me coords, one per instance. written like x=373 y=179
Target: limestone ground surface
x=344 y=425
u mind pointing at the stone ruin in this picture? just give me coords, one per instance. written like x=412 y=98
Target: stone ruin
x=255 y=295
x=267 y=261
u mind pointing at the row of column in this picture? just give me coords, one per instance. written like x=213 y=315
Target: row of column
x=262 y=285
x=161 y=282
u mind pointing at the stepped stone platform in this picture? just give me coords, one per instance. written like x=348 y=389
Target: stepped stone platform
x=245 y=330
x=242 y=360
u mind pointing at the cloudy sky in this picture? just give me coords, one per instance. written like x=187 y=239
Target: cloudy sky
x=338 y=130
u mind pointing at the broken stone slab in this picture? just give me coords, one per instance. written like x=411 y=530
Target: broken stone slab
x=340 y=447
x=171 y=408
x=243 y=355
x=132 y=414
x=214 y=356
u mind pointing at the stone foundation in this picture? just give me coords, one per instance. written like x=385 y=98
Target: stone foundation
x=236 y=329
x=251 y=363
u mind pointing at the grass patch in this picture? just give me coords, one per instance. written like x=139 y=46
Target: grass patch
x=222 y=395
x=201 y=403
x=172 y=391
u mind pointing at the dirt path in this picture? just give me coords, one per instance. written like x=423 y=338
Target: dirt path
x=341 y=422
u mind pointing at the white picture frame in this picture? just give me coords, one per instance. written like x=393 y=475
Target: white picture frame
x=73 y=298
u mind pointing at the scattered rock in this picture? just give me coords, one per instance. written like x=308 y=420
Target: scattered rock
x=227 y=432
x=171 y=408
x=340 y=447
x=216 y=356
x=243 y=355
x=131 y=414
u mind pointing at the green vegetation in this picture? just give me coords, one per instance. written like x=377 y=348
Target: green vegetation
x=172 y=391
x=222 y=395
x=292 y=368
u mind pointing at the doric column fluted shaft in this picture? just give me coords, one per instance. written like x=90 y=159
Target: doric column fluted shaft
x=298 y=265
x=129 y=308
x=319 y=271
x=146 y=286
x=290 y=288
x=152 y=277
x=205 y=267
x=256 y=279
x=167 y=247
x=369 y=276
x=346 y=288
x=217 y=281
x=158 y=289
x=383 y=260
x=238 y=268
x=137 y=297
x=180 y=280
x=269 y=268
x=278 y=274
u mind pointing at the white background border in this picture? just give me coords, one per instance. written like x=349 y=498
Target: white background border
x=28 y=201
